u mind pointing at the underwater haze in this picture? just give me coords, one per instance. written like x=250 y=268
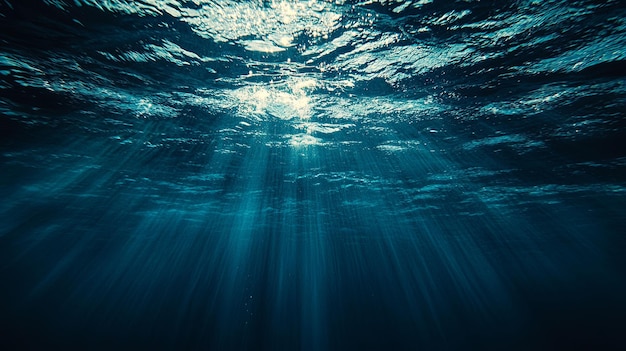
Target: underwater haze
x=312 y=175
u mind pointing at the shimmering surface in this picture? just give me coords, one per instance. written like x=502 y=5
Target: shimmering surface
x=312 y=175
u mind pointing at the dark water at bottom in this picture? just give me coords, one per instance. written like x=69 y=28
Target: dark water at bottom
x=300 y=251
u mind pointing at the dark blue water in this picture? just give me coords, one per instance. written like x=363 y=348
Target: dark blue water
x=312 y=175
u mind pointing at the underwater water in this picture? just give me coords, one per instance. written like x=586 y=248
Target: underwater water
x=312 y=175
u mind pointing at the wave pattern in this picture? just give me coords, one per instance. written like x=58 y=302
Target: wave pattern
x=518 y=78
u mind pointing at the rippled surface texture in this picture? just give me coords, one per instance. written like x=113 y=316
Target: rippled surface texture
x=312 y=175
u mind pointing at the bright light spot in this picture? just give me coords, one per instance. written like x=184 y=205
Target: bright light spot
x=271 y=24
x=284 y=101
x=300 y=140
x=259 y=99
x=304 y=84
x=144 y=107
x=285 y=41
x=261 y=46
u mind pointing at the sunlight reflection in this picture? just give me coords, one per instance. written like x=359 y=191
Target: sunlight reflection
x=303 y=139
x=284 y=101
x=272 y=22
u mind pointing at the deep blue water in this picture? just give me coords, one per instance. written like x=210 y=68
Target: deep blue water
x=312 y=175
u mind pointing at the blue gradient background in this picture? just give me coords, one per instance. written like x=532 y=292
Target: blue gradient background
x=217 y=175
